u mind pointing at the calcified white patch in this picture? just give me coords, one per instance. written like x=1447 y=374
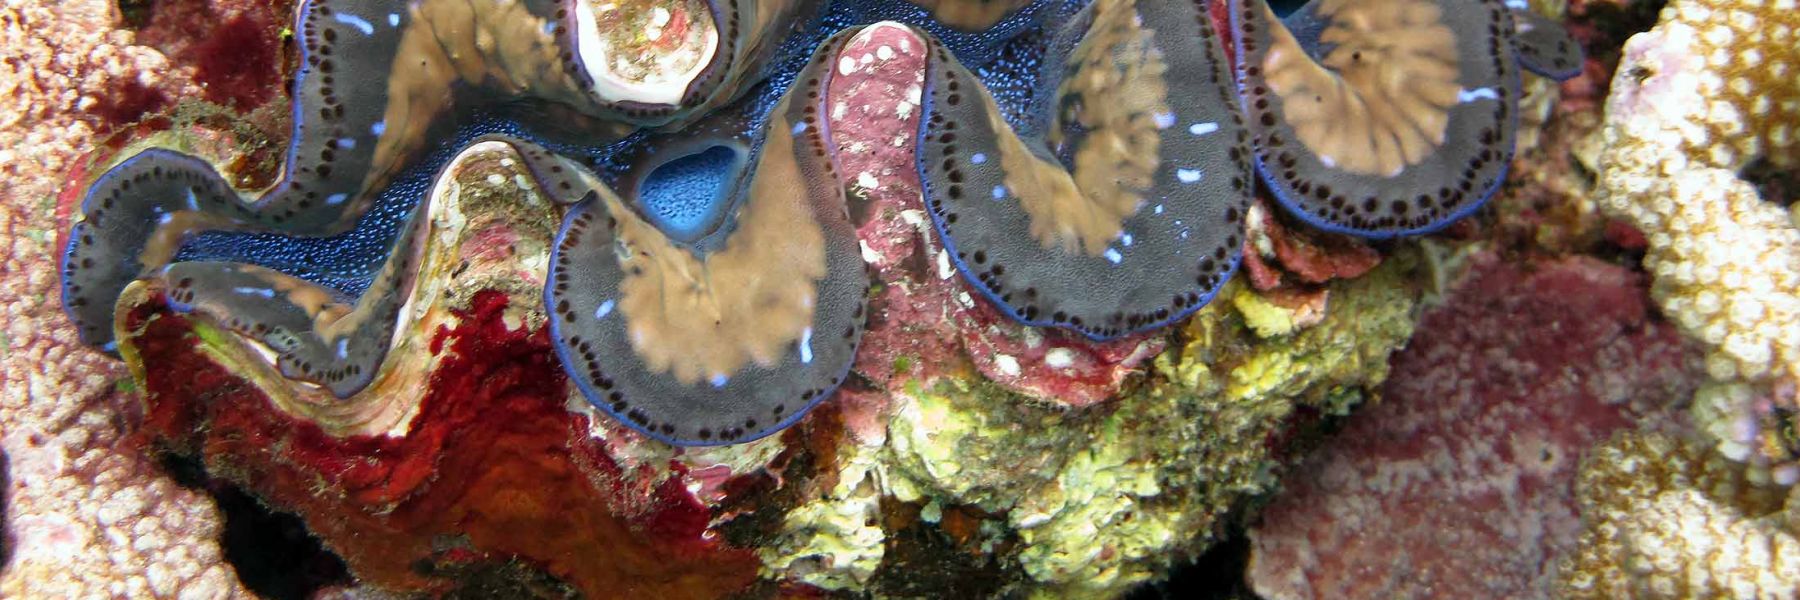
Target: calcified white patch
x=633 y=62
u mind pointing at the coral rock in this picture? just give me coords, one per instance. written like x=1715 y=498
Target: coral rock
x=1459 y=482
x=88 y=514
x=1697 y=99
x=1664 y=518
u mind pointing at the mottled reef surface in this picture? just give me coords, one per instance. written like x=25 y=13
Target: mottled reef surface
x=1586 y=389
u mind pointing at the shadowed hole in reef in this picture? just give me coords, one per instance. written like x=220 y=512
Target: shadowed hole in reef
x=273 y=553
x=1218 y=574
x=943 y=558
x=683 y=194
x=1777 y=185
x=6 y=541
x=1603 y=27
x=511 y=579
x=136 y=13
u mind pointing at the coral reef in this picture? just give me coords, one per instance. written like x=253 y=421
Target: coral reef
x=1698 y=99
x=1664 y=517
x=1074 y=502
x=1459 y=481
x=88 y=513
x=1469 y=486
x=1549 y=204
x=704 y=287
x=435 y=391
x=427 y=481
x=1089 y=504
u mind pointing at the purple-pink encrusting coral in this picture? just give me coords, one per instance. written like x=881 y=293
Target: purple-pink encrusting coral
x=1459 y=482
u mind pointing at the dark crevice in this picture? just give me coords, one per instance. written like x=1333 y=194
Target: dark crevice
x=136 y=13
x=944 y=558
x=1284 y=8
x=275 y=556
x=1217 y=575
x=1603 y=27
x=512 y=579
x=6 y=541
x=1776 y=185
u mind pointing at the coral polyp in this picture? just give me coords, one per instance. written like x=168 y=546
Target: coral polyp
x=1087 y=166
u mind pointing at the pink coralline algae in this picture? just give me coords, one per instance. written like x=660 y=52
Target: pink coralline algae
x=1459 y=482
x=926 y=319
x=1276 y=255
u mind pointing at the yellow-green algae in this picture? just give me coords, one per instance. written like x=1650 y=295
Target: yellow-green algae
x=1105 y=498
x=1176 y=455
x=1264 y=317
x=967 y=441
x=834 y=542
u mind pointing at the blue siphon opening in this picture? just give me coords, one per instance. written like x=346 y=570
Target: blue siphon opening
x=682 y=195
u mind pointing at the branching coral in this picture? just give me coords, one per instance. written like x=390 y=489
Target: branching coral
x=1669 y=519
x=1709 y=91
